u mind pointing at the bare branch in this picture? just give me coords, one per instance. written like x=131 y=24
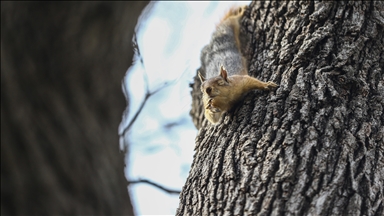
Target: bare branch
x=147 y=95
x=148 y=92
x=170 y=191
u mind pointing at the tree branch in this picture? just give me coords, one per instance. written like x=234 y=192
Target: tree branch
x=170 y=191
x=148 y=92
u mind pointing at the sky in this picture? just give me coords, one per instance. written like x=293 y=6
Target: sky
x=170 y=36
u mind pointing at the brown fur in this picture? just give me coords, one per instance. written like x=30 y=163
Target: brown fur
x=222 y=92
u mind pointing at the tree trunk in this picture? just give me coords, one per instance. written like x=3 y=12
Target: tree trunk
x=62 y=65
x=315 y=145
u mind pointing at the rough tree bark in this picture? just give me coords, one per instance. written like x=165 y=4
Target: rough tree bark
x=315 y=145
x=62 y=65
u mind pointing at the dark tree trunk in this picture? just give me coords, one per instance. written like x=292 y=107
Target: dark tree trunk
x=62 y=65
x=315 y=145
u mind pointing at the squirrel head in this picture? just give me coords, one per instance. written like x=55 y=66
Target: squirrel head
x=215 y=85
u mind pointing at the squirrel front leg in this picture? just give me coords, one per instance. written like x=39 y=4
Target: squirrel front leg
x=220 y=103
x=212 y=113
x=212 y=106
x=250 y=83
x=257 y=84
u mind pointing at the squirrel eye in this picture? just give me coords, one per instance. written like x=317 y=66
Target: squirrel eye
x=220 y=82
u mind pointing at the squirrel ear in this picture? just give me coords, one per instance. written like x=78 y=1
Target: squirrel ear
x=223 y=73
x=201 y=76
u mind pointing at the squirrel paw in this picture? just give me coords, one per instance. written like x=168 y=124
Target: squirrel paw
x=209 y=104
x=271 y=85
x=215 y=110
x=212 y=108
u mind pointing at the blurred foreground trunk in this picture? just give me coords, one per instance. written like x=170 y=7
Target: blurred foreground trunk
x=315 y=145
x=62 y=65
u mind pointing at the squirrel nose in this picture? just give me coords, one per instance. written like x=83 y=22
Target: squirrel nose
x=208 y=90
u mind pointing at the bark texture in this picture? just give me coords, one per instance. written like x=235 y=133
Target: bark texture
x=62 y=65
x=315 y=145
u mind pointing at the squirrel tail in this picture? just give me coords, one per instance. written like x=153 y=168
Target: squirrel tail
x=232 y=19
x=235 y=11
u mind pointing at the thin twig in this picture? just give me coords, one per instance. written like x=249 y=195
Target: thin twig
x=170 y=191
x=147 y=95
x=148 y=92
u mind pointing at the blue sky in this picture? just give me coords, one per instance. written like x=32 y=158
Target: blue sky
x=161 y=141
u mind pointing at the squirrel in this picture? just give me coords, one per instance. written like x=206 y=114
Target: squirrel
x=221 y=92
